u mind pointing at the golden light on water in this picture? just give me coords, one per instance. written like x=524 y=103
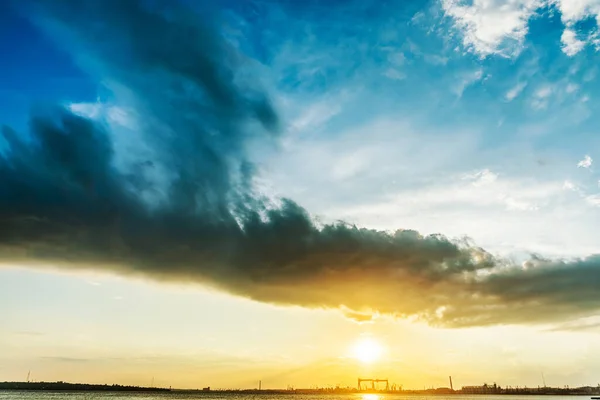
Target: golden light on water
x=367 y=350
x=370 y=396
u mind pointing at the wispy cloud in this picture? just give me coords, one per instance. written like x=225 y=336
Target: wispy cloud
x=465 y=80
x=514 y=92
x=483 y=177
x=394 y=74
x=541 y=97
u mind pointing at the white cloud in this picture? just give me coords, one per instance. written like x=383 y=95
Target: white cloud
x=515 y=91
x=316 y=114
x=345 y=167
x=586 y=162
x=544 y=92
x=114 y=115
x=594 y=40
x=397 y=58
x=541 y=97
x=589 y=199
x=571 y=12
x=520 y=205
x=500 y=26
x=484 y=191
x=507 y=215
x=568 y=185
x=576 y=10
x=492 y=26
x=117 y=115
x=466 y=80
x=350 y=165
x=457 y=189
x=593 y=200
x=435 y=59
x=394 y=74
x=570 y=44
x=483 y=177
x=88 y=110
x=572 y=88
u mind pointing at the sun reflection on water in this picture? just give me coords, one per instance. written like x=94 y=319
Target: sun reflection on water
x=370 y=396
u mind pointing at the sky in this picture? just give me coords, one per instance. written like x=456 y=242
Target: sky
x=216 y=193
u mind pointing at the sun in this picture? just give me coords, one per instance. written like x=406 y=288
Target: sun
x=367 y=350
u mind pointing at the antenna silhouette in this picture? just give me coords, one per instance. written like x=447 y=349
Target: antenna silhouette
x=543 y=379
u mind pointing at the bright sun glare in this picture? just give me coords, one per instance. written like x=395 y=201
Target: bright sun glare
x=367 y=350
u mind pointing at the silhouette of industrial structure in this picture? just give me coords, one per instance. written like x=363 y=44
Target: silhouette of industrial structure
x=373 y=383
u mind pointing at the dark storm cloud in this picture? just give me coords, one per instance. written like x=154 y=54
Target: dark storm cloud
x=64 y=201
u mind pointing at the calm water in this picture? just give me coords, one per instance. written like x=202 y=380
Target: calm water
x=9 y=395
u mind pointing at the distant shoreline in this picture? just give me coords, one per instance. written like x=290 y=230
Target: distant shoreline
x=74 y=387
x=85 y=387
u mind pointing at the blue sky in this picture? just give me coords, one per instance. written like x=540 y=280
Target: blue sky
x=35 y=70
x=415 y=99
x=467 y=119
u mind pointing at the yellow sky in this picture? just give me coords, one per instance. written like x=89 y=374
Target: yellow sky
x=102 y=328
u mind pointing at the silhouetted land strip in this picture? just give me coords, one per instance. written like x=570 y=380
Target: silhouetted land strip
x=472 y=390
x=78 y=387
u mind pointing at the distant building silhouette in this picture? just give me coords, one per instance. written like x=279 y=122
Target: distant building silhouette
x=484 y=389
